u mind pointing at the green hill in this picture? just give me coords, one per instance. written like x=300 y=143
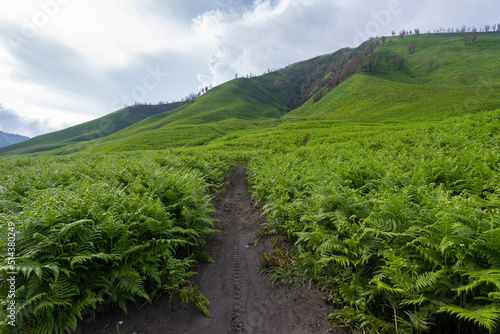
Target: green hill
x=382 y=81
x=462 y=78
x=85 y=132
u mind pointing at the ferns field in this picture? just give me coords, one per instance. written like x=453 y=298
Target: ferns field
x=401 y=229
x=96 y=230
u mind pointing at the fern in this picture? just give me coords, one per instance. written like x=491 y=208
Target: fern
x=486 y=277
x=192 y=293
x=484 y=316
x=98 y=229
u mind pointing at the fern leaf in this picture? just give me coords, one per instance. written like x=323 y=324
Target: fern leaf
x=339 y=259
x=385 y=287
x=428 y=279
x=484 y=316
x=44 y=306
x=489 y=276
x=82 y=259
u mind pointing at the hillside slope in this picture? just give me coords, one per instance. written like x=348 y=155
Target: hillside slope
x=463 y=78
x=380 y=82
x=84 y=132
x=234 y=108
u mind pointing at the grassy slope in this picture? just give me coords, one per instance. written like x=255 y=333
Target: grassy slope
x=247 y=113
x=233 y=106
x=463 y=78
x=238 y=106
x=94 y=129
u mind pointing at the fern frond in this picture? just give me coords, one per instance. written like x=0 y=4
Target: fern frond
x=129 y=280
x=87 y=256
x=342 y=260
x=417 y=300
x=484 y=316
x=45 y=306
x=489 y=276
x=385 y=287
x=428 y=279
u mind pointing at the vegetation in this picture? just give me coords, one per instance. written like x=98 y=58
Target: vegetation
x=103 y=230
x=380 y=163
x=400 y=228
x=76 y=135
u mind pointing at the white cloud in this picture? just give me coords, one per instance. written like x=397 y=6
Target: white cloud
x=12 y=122
x=270 y=34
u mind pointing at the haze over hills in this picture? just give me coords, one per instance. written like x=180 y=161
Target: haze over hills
x=388 y=80
x=9 y=138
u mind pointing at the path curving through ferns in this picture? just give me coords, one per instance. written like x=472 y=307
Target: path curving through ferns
x=241 y=298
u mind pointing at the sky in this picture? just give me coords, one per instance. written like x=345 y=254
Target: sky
x=65 y=62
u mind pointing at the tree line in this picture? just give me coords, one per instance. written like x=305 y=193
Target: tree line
x=463 y=30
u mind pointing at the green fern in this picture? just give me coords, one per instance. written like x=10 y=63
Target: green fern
x=484 y=316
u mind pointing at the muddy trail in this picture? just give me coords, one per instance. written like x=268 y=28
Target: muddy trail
x=242 y=299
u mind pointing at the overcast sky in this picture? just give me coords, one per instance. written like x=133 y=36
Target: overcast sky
x=64 y=62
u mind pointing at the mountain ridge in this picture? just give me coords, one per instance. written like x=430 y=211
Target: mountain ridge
x=7 y=139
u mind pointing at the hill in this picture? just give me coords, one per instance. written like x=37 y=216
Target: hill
x=9 y=138
x=85 y=132
x=396 y=80
x=462 y=78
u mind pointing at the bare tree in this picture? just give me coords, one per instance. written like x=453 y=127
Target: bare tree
x=393 y=33
x=431 y=63
x=412 y=46
x=417 y=31
x=468 y=38
x=487 y=28
x=399 y=61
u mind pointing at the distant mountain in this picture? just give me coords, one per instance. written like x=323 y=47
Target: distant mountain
x=9 y=138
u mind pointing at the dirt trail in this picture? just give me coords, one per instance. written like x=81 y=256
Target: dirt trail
x=241 y=298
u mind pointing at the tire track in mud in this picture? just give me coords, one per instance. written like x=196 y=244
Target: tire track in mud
x=237 y=321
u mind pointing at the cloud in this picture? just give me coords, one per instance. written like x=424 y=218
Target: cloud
x=269 y=34
x=12 y=122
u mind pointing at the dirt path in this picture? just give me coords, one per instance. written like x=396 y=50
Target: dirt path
x=241 y=298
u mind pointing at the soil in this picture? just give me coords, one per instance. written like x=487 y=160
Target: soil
x=242 y=299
